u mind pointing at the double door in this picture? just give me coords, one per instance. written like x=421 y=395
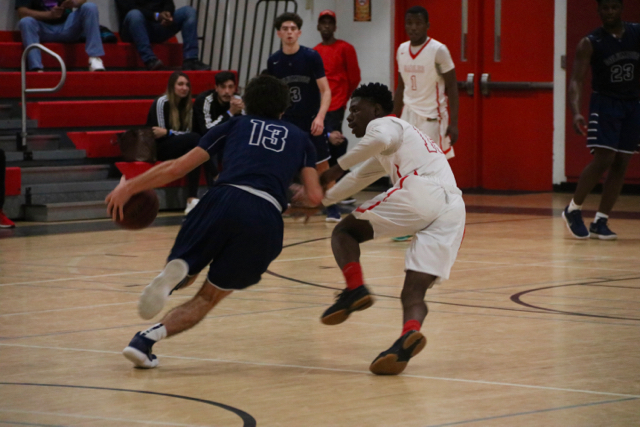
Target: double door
x=503 y=52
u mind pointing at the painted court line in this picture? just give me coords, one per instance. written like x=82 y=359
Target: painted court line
x=80 y=278
x=95 y=417
x=539 y=411
x=278 y=365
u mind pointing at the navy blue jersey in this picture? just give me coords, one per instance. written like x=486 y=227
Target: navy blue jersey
x=264 y=154
x=300 y=72
x=615 y=63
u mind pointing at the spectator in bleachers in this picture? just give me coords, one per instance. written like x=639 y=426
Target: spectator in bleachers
x=56 y=21
x=170 y=117
x=143 y=22
x=4 y=221
x=218 y=105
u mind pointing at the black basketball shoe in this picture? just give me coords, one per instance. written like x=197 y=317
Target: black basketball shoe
x=347 y=302
x=139 y=352
x=394 y=360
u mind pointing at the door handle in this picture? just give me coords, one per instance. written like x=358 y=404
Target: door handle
x=486 y=85
x=468 y=85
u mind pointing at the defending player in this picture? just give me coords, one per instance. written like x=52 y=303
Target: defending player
x=424 y=201
x=613 y=133
x=427 y=83
x=237 y=227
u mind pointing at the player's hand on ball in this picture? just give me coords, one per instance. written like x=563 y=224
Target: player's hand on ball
x=116 y=200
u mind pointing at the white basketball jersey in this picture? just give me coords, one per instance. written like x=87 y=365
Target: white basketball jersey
x=415 y=153
x=424 y=87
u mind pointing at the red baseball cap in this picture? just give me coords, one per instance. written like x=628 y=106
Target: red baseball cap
x=327 y=12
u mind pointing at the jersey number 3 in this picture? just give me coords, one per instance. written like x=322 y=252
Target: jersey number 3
x=270 y=136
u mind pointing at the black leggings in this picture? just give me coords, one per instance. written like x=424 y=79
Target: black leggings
x=174 y=146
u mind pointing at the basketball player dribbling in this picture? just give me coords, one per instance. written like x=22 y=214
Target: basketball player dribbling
x=237 y=227
x=613 y=131
x=427 y=91
x=424 y=201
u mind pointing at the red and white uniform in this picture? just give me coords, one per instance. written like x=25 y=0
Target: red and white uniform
x=424 y=200
x=424 y=98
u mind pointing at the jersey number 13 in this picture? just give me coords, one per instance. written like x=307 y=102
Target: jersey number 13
x=270 y=136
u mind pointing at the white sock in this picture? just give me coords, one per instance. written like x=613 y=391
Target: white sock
x=600 y=215
x=156 y=332
x=573 y=206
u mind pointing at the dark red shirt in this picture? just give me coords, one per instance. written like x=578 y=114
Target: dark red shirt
x=342 y=71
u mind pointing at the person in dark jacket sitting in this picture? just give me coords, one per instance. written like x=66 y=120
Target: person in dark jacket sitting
x=170 y=118
x=143 y=22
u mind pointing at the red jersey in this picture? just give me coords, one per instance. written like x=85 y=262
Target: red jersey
x=342 y=71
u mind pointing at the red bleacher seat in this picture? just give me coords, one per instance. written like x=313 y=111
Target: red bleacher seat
x=106 y=84
x=97 y=144
x=13 y=181
x=133 y=169
x=59 y=114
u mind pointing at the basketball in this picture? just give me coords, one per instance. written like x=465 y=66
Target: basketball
x=140 y=211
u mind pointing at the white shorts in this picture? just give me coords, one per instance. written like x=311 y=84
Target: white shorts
x=434 y=213
x=436 y=129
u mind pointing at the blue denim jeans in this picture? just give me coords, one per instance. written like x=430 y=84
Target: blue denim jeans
x=140 y=31
x=81 y=22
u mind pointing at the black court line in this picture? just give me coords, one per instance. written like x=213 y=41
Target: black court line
x=24 y=230
x=540 y=411
x=515 y=298
x=248 y=420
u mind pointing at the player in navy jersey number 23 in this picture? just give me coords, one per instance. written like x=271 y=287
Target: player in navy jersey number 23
x=613 y=126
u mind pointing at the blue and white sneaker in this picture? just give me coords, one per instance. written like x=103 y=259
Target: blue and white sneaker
x=575 y=224
x=600 y=230
x=333 y=213
x=139 y=352
x=402 y=238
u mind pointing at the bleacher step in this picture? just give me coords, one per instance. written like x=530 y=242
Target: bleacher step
x=66 y=211
x=34 y=142
x=57 y=174
x=17 y=156
x=16 y=124
x=65 y=192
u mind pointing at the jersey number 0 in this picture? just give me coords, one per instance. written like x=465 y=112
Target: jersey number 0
x=270 y=136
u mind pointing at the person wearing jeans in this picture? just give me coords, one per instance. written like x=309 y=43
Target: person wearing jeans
x=51 y=21
x=143 y=22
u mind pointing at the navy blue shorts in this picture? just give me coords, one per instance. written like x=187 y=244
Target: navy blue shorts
x=614 y=124
x=235 y=232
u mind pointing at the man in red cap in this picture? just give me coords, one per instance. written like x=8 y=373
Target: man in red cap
x=343 y=72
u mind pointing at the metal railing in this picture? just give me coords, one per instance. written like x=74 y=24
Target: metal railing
x=227 y=28
x=23 y=134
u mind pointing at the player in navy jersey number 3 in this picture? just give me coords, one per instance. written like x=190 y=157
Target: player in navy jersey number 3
x=613 y=126
x=237 y=227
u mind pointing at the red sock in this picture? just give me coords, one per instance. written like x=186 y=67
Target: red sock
x=411 y=325
x=353 y=275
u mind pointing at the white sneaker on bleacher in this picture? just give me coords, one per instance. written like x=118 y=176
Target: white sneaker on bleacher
x=95 y=64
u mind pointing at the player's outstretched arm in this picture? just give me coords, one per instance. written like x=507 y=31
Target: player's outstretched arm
x=311 y=184
x=398 y=102
x=157 y=176
x=325 y=101
x=451 y=89
x=579 y=73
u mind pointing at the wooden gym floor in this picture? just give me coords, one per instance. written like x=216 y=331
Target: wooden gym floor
x=533 y=329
